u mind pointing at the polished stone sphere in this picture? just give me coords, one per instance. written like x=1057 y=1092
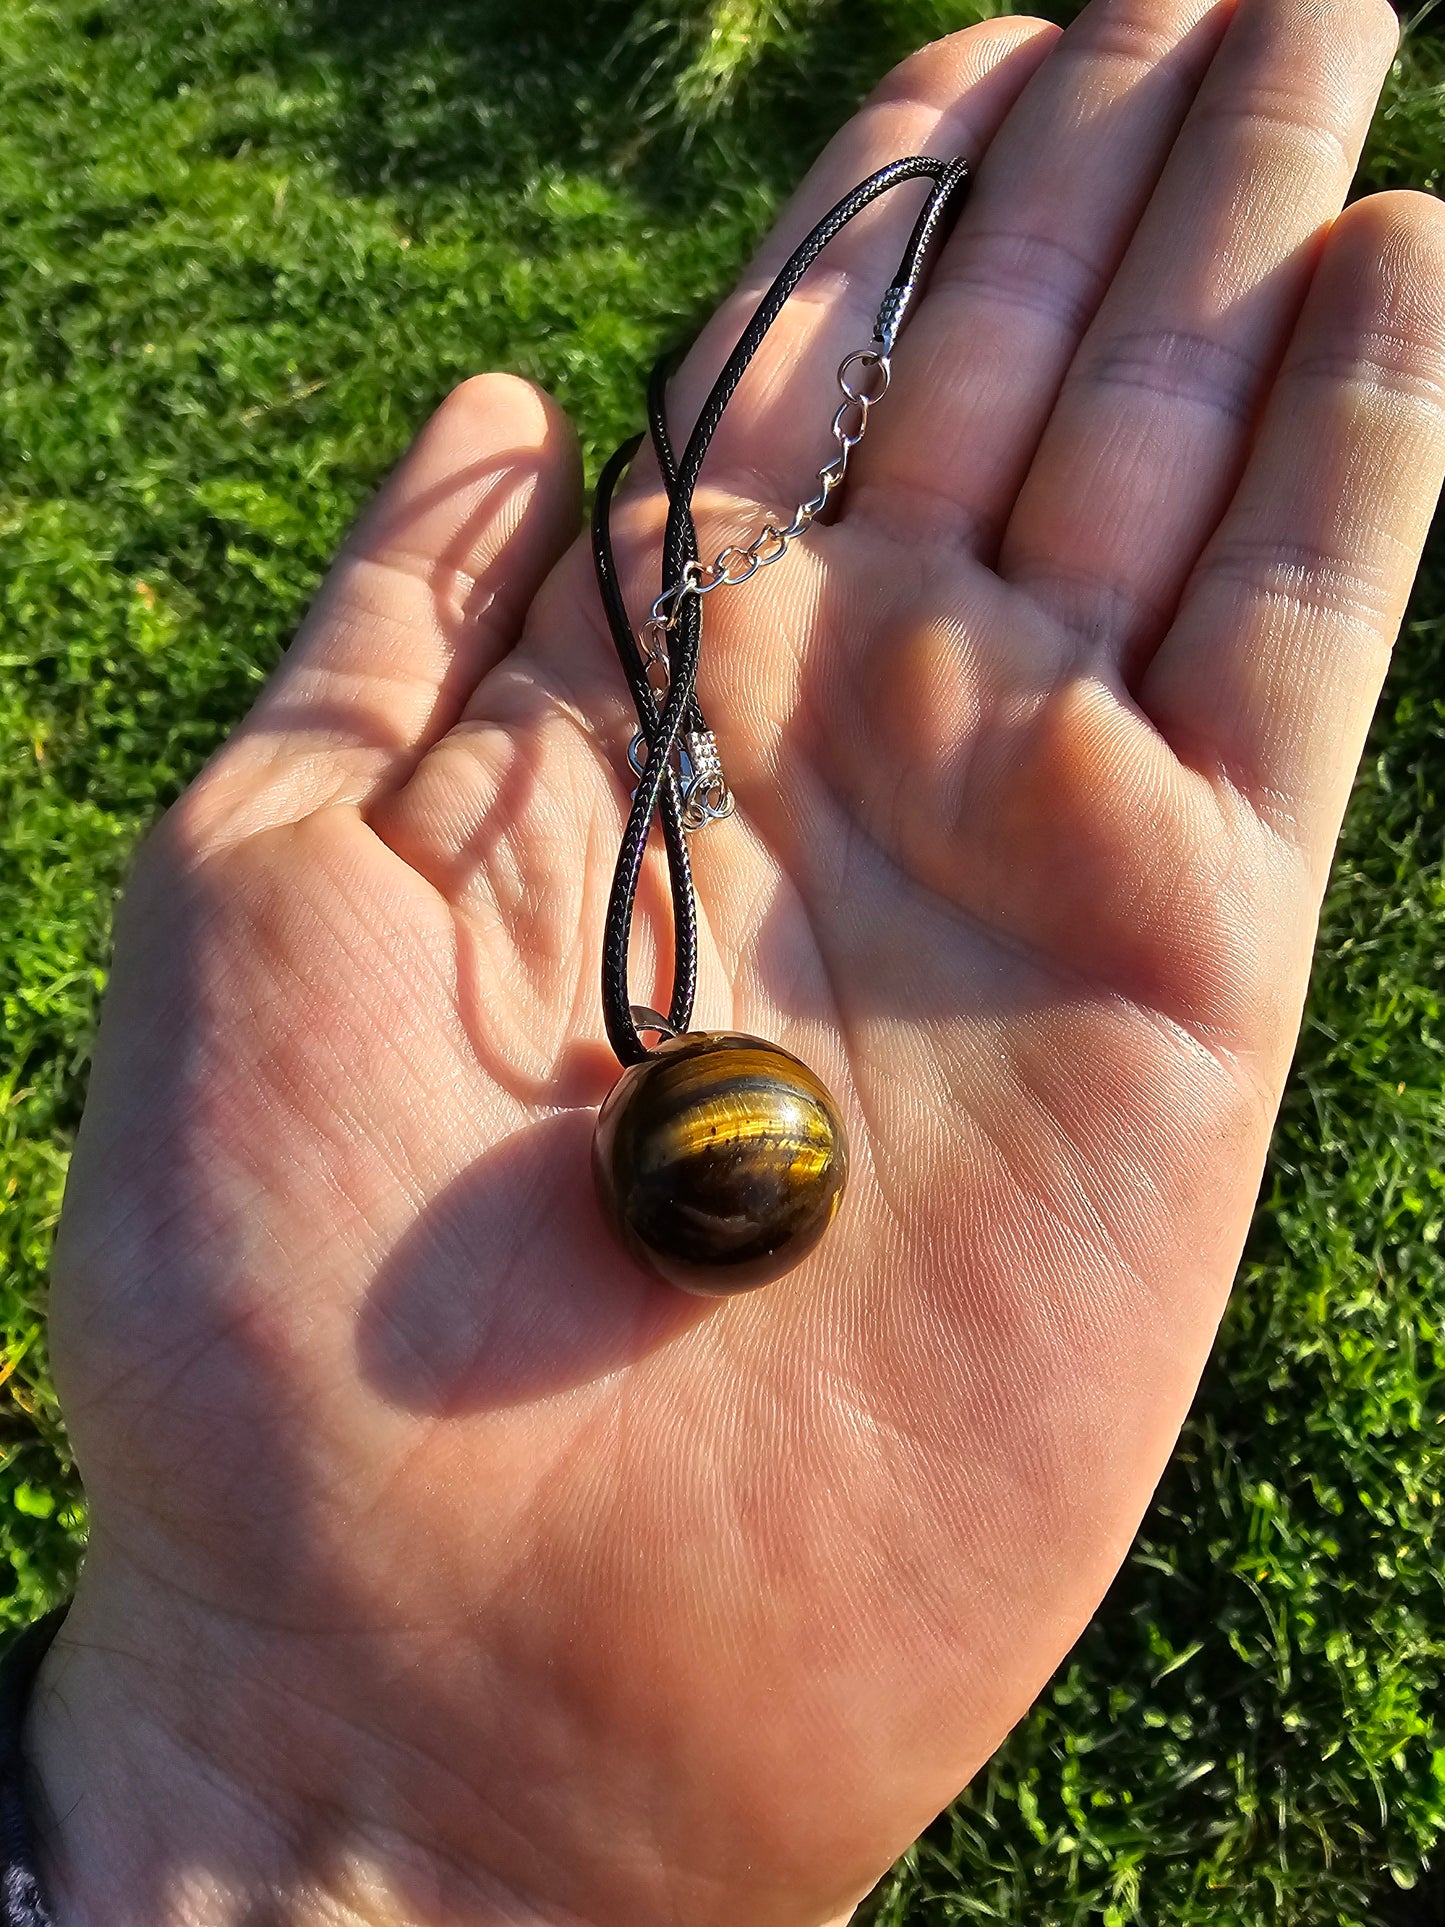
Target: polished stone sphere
x=721 y=1160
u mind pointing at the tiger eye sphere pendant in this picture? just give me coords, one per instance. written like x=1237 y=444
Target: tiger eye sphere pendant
x=721 y=1160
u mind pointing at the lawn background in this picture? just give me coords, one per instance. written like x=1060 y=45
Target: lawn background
x=243 y=250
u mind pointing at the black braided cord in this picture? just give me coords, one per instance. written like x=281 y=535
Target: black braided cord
x=20 y=1901
x=661 y=725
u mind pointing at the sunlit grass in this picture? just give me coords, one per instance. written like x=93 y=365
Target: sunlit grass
x=244 y=250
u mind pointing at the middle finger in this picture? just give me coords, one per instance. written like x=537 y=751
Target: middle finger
x=1050 y=214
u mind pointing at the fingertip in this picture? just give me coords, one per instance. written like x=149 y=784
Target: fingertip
x=1385 y=255
x=496 y=415
x=499 y=400
x=938 y=74
x=1378 y=282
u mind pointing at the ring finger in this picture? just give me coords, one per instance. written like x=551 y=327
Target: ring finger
x=1154 y=421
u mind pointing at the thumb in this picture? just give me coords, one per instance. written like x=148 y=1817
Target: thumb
x=429 y=592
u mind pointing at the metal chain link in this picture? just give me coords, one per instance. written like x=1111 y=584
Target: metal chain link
x=705 y=794
x=736 y=564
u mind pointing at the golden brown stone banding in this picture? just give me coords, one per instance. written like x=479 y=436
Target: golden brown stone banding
x=721 y=1159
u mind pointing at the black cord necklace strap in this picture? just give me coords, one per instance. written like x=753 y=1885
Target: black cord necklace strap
x=684 y=921
x=661 y=664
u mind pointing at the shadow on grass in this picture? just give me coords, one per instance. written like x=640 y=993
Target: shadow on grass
x=485 y=95
x=483 y=90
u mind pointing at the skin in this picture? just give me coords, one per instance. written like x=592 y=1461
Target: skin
x=445 y=1567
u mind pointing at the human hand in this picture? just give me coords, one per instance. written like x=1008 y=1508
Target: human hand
x=445 y=1568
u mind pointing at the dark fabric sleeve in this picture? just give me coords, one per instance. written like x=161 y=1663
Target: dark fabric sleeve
x=20 y=1901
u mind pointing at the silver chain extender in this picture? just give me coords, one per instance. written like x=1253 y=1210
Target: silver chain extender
x=706 y=797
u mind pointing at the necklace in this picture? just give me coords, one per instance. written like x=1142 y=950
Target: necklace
x=720 y=1158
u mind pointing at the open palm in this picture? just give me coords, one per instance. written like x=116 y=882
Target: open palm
x=487 y=1578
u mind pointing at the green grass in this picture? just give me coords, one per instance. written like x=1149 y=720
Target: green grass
x=243 y=250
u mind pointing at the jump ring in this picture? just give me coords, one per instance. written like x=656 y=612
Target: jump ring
x=874 y=391
x=644 y=1018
